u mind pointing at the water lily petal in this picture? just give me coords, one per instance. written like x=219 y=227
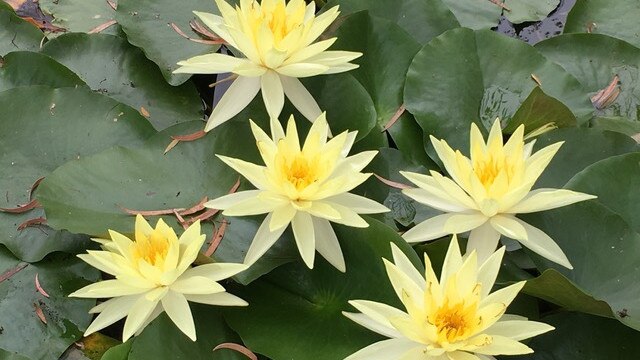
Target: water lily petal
x=230 y=200
x=501 y=345
x=300 y=98
x=359 y=204
x=327 y=243
x=545 y=199
x=272 y=93
x=107 y=288
x=488 y=271
x=219 y=299
x=236 y=98
x=543 y=245
x=209 y=64
x=301 y=70
x=508 y=226
x=385 y=350
x=252 y=172
x=404 y=264
x=138 y=314
x=177 y=307
x=111 y=311
x=484 y=240
x=196 y=285
x=303 y=232
x=215 y=271
x=262 y=241
x=519 y=329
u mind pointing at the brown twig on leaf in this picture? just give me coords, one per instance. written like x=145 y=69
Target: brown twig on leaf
x=217 y=238
x=392 y=184
x=20 y=209
x=9 y=273
x=39 y=287
x=100 y=28
x=32 y=222
x=394 y=118
x=239 y=348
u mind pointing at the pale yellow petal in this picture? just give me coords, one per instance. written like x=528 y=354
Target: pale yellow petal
x=519 y=329
x=303 y=232
x=488 y=271
x=452 y=260
x=219 y=299
x=253 y=206
x=272 y=93
x=138 y=314
x=406 y=266
x=503 y=296
x=501 y=345
x=508 y=226
x=230 y=200
x=252 y=172
x=327 y=243
x=196 y=285
x=542 y=244
x=281 y=217
x=546 y=199
x=301 y=70
x=309 y=51
x=215 y=271
x=262 y=241
x=111 y=311
x=385 y=350
x=429 y=229
x=300 y=97
x=177 y=307
x=484 y=240
x=234 y=100
x=106 y=289
x=404 y=284
x=208 y=64
x=359 y=204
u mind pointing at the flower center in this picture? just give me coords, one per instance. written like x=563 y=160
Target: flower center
x=300 y=173
x=454 y=321
x=277 y=19
x=152 y=249
x=489 y=169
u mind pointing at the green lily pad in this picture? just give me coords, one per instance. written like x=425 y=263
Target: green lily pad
x=385 y=46
x=23 y=332
x=580 y=337
x=24 y=68
x=147 y=25
x=615 y=182
x=595 y=60
x=146 y=179
x=162 y=340
x=617 y=124
x=81 y=15
x=301 y=309
x=554 y=287
x=110 y=65
x=422 y=19
x=538 y=110
x=603 y=249
x=17 y=34
x=447 y=88
x=475 y=14
x=524 y=10
x=55 y=126
x=582 y=147
x=603 y=17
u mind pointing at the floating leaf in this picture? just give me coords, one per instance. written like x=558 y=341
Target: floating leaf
x=447 y=89
x=525 y=10
x=474 y=14
x=113 y=67
x=17 y=34
x=301 y=309
x=147 y=24
x=23 y=68
x=604 y=17
x=81 y=15
x=55 y=126
x=23 y=332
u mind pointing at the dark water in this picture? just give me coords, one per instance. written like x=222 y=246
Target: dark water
x=534 y=32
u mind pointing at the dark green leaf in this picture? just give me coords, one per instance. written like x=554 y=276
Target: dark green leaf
x=581 y=148
x=595 y=60
x=43 y=128
x=23 y=331
x=147 y=25
x=603 y=250
x=603 y=17
x=538 y=110
x=162 y=340
x=146 y=179
x=475 y=14
x=300 y=310
x=583 y=337
x=554 y=287
x=110 y=65
x=423 y=19
x=24 y=68
x=17 y=34
x=615 y=182
x=464 y=76
x=81 y=15
x=524 y=10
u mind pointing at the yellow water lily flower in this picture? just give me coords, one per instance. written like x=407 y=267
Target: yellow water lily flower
x=307 y=187
x=278 y=42
x=486 y=193
x=153 y=274
x=454 y=318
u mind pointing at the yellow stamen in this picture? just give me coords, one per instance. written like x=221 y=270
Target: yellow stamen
x=152 y=249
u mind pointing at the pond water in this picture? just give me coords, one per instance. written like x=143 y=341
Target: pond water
x=534 y=32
